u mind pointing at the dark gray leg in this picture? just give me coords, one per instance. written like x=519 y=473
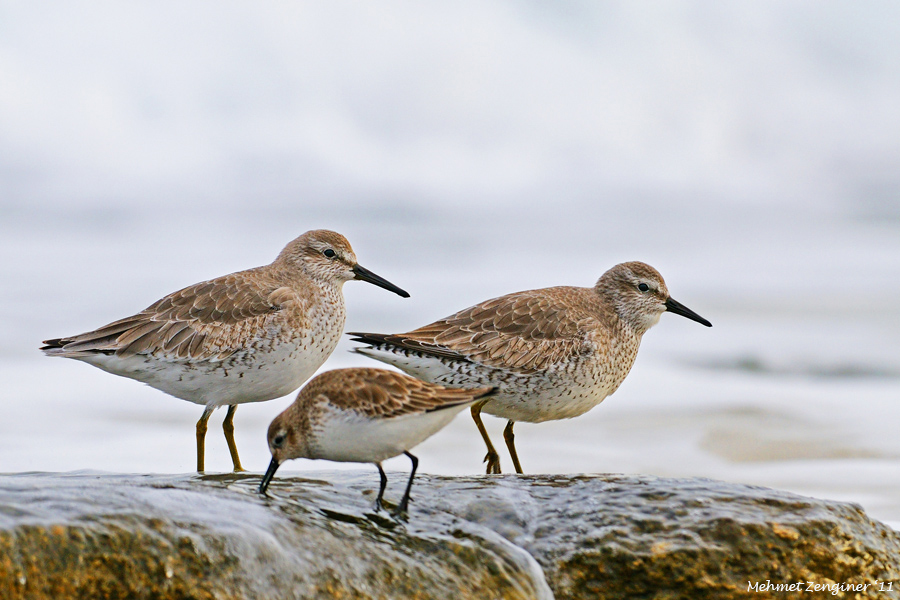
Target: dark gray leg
x=378 y=505
x=404 y=501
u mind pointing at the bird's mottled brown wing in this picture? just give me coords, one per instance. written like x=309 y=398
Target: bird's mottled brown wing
x=387 y=394
x=208 y=320
x=525 y=331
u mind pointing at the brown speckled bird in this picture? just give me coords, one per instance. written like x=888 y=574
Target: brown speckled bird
x=552 y=353
x=250 y=336
x=364 y=415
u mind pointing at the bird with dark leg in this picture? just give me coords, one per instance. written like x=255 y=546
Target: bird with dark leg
x=364 y=415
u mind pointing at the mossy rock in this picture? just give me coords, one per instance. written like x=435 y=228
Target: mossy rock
x=158 y=537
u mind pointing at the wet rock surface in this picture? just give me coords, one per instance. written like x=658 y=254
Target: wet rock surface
x=86 y=535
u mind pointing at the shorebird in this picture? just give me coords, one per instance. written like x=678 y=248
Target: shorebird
x=552 y=353
x=364 y=415
x=250 y=336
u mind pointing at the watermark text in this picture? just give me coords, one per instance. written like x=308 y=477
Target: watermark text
x=812 y=586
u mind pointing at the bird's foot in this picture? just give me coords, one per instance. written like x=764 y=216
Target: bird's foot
x=493 y=463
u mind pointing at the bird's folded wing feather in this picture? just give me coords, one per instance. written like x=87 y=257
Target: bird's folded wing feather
x=524 y=332
x=207 y=321
x=378 y=393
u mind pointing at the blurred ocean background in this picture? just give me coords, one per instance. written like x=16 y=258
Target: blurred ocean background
x=748 y=150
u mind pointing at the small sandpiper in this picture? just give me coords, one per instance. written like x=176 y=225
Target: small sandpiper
x=250 y=336
x=364 y=415
x=552 y=353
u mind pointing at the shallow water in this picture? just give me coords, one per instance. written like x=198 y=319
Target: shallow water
x=775 y=217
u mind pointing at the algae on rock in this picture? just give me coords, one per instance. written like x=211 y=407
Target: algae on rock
x=129 y=536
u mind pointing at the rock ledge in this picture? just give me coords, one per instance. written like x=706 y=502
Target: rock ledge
x=89 y=535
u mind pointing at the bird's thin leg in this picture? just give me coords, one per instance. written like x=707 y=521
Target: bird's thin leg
x=491 y=458
x=378 y=505
x=201 y=437
x=404 y=501
x=511 y=444
x=228 y=428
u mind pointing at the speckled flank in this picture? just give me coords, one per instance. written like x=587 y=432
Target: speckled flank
x=246 y=337
x=552 y=353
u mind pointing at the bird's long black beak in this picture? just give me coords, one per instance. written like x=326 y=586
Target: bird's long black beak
x=270 y=473
x=367 y=275
x=678 y=308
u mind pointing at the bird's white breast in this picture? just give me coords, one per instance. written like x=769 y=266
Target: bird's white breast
x=272 y=363
x=347 y=436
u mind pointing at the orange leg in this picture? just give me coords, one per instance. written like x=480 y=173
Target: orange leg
x=511 y=444
x=201 y=437
x=228 y=428
x=492 y=458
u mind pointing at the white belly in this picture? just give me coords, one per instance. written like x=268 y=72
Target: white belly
x=346 y=436
x=247 y=376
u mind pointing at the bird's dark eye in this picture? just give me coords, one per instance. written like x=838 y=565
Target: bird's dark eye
x=329 y=253
x=643 y=287
x=278 y=440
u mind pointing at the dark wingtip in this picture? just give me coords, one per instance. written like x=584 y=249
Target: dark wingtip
x=52 y=344
x=367 y=338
